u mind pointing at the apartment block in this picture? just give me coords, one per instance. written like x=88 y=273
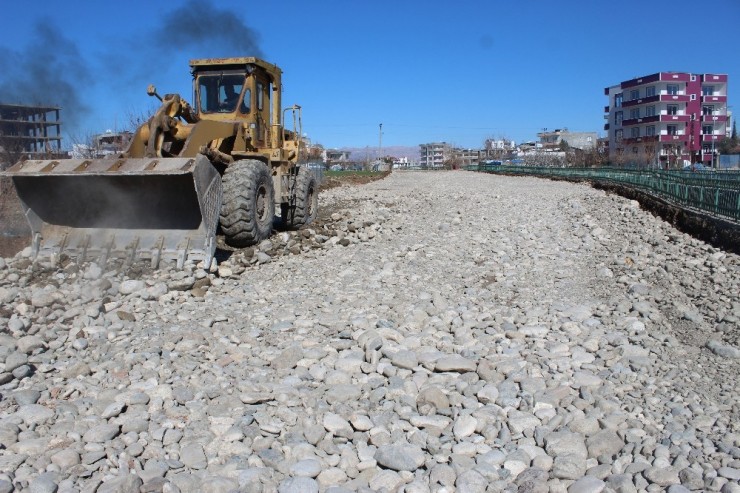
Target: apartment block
x=579 y=140
x=668 y=119
x=434 y=155
x=29 y=131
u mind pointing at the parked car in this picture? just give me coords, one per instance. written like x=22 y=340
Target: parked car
x=697 y=167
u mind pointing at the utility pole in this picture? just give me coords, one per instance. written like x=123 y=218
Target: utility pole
x=380 y=142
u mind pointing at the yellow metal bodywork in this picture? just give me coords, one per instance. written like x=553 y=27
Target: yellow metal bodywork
x=257 y=135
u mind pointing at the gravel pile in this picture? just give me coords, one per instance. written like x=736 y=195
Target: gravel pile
x=437 y=332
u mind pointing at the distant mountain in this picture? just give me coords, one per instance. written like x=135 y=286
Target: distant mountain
x=371 y=153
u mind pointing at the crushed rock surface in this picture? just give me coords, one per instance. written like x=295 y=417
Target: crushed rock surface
x=433 y=331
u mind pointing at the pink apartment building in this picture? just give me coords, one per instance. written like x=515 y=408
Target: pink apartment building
x=669 y=119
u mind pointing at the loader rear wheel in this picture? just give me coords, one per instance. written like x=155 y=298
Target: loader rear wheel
x=306 y=197
x=248 y=206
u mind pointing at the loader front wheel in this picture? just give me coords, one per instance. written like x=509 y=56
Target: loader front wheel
x=306 y=197
x=248 y=206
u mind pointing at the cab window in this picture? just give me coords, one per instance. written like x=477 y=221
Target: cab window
x=260 y=96
x=221 y=94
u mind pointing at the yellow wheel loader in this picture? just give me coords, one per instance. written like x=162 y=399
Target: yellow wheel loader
x=227 y=160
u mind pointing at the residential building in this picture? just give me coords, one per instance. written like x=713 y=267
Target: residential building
x=334 y=156
x=435 y=154
x=576 y=140
x=29 y=131
x=500 y=145
x=402 y=162
x=669 y=118
x=106 y=145
x=465 y=157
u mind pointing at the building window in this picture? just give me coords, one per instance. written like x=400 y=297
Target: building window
x=635 y=113
x=635 y=132
x=618 y=100
x=707 y=129
x=707 y=109
x=618 y=116
x=672 y=89
x=672 y=109
x=634 y=150
x=649 y=91
x=706 y=148
x=635 y=94
x=650 y=130
x=707 y=90
x=650 y=110
x=618 y=135
x=693 y=97
x=671 y=129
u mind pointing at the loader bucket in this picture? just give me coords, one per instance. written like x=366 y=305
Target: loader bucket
x=147 y=208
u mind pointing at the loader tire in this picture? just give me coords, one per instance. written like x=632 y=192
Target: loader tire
x=248 y=206
x=306 y=198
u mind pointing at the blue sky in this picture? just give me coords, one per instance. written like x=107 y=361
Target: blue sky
x=429 y=71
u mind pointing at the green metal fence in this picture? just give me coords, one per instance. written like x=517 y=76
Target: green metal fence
x=713 y=192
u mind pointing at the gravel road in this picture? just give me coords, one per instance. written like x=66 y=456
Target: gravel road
x=440 y=331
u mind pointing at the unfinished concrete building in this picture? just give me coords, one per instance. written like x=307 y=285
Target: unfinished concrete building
x=29 y=132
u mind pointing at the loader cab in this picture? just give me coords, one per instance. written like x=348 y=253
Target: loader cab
x=245 y=89
x=223 y=93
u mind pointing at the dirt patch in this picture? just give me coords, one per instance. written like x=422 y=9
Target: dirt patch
x=351 y=179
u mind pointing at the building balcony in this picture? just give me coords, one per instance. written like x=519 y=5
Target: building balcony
x=674 y=98
x=668 y=98
x=715 y=78
x=639 y=101
x=640 y=140
x=711 y=137
x=656 y=118
x=713 y=118
x=674 y=138
x=714 y=99
x=648 y=79
x=606 y=109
